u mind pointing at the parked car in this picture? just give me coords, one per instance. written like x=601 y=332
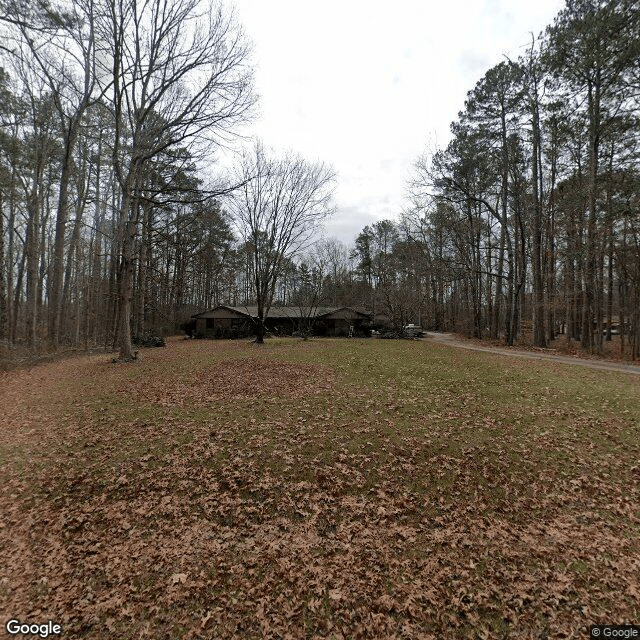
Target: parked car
x=413 y=331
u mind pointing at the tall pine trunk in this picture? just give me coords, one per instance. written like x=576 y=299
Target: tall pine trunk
x=3 y=280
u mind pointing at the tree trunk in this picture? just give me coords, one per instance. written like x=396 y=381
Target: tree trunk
x=497 y=310
x=539 y=337
x=126 y=291
x=56 y=287
x=550 y=262
x=31 y=252
x=145 y=251
x=75 y=238
x=607 y=246
x=609 y=279
x=590 y=262
x=129 y=213
x=3 y=279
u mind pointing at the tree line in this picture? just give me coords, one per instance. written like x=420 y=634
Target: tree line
x=526 y=225
x=111 y=216
x=114 y=222
x=531 y=213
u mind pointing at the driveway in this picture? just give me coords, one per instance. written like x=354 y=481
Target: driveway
x=606 y=365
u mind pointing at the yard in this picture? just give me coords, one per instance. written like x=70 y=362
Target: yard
x=319 y=489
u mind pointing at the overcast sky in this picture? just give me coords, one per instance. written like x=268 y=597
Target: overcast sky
x=367 y=85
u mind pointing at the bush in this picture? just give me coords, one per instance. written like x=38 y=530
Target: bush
x=149 y=340
x=189 y=327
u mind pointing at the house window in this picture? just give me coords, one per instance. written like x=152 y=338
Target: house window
x=210 y=323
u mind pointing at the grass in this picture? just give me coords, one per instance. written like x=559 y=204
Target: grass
x=323 y=488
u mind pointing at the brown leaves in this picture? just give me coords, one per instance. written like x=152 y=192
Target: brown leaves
x=237 y=379
x=333 y=509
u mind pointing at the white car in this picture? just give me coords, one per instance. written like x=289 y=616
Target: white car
x=413 y=331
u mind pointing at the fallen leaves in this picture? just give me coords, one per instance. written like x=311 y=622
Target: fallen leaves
x=237 y=379
x=333 y=510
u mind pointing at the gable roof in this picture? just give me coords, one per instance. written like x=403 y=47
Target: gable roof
x=290 y=313
x=330 y=311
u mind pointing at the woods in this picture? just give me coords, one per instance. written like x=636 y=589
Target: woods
x=109 y=110
x=115 y=219
x=319 y=483
x=534 y=202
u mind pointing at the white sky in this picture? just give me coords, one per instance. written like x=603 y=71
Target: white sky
x=367 y=85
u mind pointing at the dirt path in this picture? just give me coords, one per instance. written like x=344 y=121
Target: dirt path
x=605 y=365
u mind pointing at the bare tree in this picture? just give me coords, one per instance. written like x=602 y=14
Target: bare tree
x=58 y=45
x=179 y=76
x=277 y=211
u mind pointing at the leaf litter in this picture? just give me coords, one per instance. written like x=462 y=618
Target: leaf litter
x=219 y=491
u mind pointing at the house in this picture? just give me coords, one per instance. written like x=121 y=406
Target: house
x=234 y=322
x=343 y=321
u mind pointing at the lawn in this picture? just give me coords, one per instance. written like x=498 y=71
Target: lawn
x=319 y=489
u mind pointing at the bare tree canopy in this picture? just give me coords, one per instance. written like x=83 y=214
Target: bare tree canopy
x=115 y=220
x=179 y=76
x=278 y=209
x=179 y=72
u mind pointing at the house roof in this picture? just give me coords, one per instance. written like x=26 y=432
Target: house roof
x=282 y=312
x=329 y=311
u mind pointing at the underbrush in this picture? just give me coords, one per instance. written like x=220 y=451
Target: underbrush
x=17 y=355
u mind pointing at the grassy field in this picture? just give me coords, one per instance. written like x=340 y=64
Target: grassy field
x=319 y=489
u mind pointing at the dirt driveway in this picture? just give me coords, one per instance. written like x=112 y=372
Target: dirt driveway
x=606 y=365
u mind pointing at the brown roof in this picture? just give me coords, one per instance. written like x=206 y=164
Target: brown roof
x=282 y=312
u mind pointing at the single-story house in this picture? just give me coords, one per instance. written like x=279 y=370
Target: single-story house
x=234 y=322
x=341 y=321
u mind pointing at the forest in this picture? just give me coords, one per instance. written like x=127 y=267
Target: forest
x=115 y=223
